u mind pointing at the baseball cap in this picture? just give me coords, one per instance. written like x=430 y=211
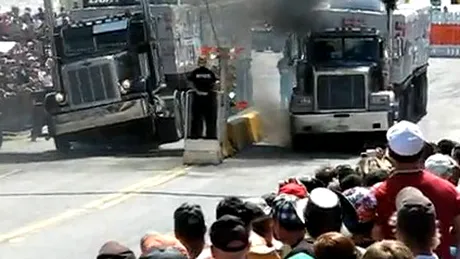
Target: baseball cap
x=441 y=165
x=405 y=138
x=257 y=207
x=227 y=230
x=295 y=189
x=416 y=214
x=288 y=211
x=115 y=250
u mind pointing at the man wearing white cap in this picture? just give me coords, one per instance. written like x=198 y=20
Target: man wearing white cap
x=405 y=149
x=443 y=166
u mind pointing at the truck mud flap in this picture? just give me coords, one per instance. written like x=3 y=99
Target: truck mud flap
x=166 y=130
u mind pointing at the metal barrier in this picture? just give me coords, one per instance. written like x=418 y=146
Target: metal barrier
x=445 y=34
x=221 y=114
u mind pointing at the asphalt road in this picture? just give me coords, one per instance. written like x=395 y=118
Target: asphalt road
x=56 y=207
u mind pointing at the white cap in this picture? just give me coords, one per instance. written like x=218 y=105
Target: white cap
x=440 y=165
x=405 y=138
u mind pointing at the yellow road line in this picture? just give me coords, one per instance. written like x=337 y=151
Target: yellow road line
x=100 y=204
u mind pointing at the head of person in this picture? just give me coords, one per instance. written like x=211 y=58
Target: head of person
x=405 y=144
x=312 y=183
x=293 y=186
x=269 y=198
x=351 y=181
x=456 y=154
x=416 y=220
x=115 y=250
x=342 y=171
x=233 y=206
x=445 y=146
x=202 y=61
x=363 y=203
x=261 y=222
x=288 y=219
x=443 y=166
x=388 y=249
x=429 y=149
x=154 y=241
x=325 y=174
x=375 y=176
x=334 y=245
x=189 y=224
x=229 y=238
x=323 y=212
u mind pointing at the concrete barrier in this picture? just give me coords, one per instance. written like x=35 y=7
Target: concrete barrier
x=254 y=126
x=243 y=130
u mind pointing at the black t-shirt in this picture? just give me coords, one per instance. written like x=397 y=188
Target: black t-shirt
x=203 y=79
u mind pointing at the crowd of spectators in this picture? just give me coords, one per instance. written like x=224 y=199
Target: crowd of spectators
x=23 y=53
x=399 y=202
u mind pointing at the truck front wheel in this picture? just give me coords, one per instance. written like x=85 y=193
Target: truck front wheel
x=62 y=144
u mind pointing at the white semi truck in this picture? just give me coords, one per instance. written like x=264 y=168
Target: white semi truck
x=359 y=69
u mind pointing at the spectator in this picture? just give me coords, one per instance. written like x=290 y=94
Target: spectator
x=115 y=250
x=311 y=183
x=323 y=212
x=263 y=243
x=351 y=181
x=406 y=142
x=154 y=241
x=190 y=228
x=443 y=166
x=374 y=177
x=293 y=187
x=233 y=206
x=416 y=222
x=360 y=199
x=456 y=154
x=230 y=238
x=428 y=150
x=388 y=249
x=289 y=226
x=445 y=146
x=334 y=245
x=325 y=174
x=341 y=171
x=164 y=253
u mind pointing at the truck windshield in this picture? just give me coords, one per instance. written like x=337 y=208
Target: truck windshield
x=345 y=49
x=89 y=40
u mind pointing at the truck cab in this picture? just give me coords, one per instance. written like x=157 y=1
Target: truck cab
x=340 y=83
x=109 y=79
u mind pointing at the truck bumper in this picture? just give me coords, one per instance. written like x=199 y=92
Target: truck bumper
x=106 y=115
x=341 y=122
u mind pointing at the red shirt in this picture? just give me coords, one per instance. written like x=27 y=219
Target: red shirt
x=441 y=192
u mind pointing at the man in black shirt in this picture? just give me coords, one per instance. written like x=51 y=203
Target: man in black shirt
x=204 y=104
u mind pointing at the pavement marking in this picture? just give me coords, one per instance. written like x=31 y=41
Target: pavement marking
x=10 y=173
x=99 y=204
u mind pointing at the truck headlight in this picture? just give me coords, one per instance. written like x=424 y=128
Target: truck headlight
x=60 y=98
x=126 y=84
x=301 y=103
x=381 y=100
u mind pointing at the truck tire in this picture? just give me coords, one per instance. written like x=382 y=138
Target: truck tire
x=1 y=138
x=296 y=143
x=62 y=145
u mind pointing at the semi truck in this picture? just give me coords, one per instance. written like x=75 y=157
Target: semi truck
x=108 y=76
x=359 y=68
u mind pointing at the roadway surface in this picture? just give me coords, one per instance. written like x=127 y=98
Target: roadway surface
x=68 y=207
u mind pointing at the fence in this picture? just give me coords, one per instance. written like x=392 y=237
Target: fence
x=16 y=112
x=445 y=34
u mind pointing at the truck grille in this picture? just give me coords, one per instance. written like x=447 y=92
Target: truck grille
x=341 y=92
x=91 y=85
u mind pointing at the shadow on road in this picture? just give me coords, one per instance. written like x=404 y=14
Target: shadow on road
x=50 y=156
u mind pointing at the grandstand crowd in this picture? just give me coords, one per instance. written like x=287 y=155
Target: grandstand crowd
x=399 y=202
